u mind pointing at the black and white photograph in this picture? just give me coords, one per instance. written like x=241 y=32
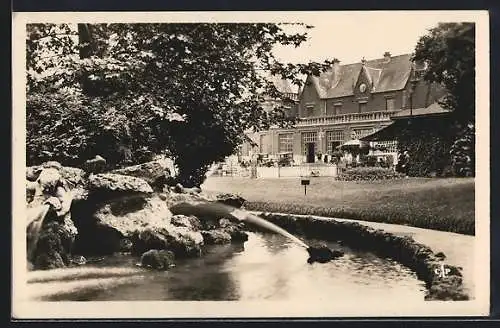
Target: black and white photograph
x=250 y=164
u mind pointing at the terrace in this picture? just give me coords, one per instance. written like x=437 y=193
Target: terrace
x=347 y=118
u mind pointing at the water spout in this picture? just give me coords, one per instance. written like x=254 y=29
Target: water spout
x=36 y=217
x=317 y=254
x=242 y=215
x=249 y=217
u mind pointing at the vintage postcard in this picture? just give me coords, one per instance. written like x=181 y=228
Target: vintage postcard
x=250 y=164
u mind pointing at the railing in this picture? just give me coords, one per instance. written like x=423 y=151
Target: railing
x=281 y=172
x=347 y=118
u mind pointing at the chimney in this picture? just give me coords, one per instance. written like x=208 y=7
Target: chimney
x=387 y=56
x=336 y=72
x=335 y=64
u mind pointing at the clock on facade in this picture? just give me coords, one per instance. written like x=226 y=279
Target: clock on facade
x=362 y=87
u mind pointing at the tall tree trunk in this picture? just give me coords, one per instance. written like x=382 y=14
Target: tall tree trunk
x=85 y=42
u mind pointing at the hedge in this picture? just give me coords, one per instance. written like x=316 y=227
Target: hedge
x=369 y=174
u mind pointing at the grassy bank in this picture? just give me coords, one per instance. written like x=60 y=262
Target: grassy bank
x=440 y=204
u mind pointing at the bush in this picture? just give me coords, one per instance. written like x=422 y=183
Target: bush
x=369 y=174
x=71 y=128
x=369 y=161
x=462 y=152
x=436 y=145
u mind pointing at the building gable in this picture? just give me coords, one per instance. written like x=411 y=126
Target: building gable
x=364 y=84
x=384 y=74
x=310 y=99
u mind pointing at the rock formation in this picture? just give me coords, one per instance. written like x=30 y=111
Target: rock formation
x=157 y=259
x=154 y=173
x=130 y=210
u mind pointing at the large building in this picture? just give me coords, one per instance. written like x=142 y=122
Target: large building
x=345 y=104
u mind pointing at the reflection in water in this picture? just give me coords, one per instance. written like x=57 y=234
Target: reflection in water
x=270 y=267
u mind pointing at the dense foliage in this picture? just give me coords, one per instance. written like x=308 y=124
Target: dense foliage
x=369 y=174
x=427 y=143
x=463 y=155
x=129 y=91
x=449 y=52
x=72 y=128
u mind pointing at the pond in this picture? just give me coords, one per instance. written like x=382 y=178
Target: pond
x=266 y=267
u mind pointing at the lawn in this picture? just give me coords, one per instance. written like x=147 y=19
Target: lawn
x=440 y=204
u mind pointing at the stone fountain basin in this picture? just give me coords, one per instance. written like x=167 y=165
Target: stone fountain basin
x=422 y=250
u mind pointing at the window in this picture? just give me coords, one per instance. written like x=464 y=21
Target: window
x=309 y=106
x=334 y=109
x=335 y=135
x=309 y=110
x=285 y=142
x=333 y=139
x=390 y=104
x=309 y=137
x=403 y=100
x=261 y=143
x=362 y=107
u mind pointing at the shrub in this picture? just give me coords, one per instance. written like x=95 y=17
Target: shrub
x=462 y=152
x=369 y=174
x=70 y=128
x=370 y=161
x=437 y=148
x=428 y=155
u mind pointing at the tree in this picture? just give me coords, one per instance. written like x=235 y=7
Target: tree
x=449 y=52
x=191 y=90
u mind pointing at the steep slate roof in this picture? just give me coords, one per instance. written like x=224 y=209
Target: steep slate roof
x=386 y=76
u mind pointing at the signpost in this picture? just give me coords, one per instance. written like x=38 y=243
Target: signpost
x=305 y=183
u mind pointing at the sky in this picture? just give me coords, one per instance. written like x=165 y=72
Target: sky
x=347 y=36
x=351 y=36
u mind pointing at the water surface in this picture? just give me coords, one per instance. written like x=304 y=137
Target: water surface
x=266 y=267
